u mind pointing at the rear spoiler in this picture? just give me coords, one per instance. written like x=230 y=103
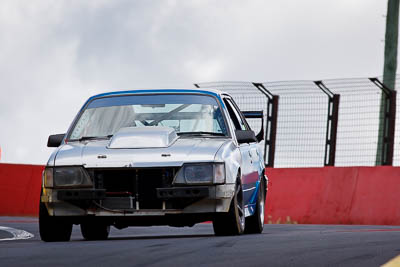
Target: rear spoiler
x=253 y=114
x=256 y=115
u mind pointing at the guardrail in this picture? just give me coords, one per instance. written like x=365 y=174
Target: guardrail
x=327 y=195
x=20 y=189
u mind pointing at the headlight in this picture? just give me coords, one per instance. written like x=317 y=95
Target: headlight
x=66 y=177
x=201 y=173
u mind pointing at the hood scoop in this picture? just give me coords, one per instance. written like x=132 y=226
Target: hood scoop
x=143 y=137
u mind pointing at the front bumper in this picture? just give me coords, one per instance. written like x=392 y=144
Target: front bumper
x=89 y=202
x=183 y=192
x=81 y=194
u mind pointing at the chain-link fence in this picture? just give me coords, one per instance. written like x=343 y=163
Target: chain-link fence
x=247 y=96
x=332 y=122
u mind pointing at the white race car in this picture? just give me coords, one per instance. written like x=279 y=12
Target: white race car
x=154 y=157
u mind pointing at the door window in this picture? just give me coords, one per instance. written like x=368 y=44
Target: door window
x=238 y=121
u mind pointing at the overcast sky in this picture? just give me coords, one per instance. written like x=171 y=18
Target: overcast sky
x=56 y=54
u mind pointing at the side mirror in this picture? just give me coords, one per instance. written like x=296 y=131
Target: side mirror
x=245 y=136
x=256 y=115
x=55 y=140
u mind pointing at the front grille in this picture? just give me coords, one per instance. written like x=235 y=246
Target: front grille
x=133 y=188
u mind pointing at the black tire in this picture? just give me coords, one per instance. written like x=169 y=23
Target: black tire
x=53 y=229
x=232 y=222
x=255 y=222
x=95 y=230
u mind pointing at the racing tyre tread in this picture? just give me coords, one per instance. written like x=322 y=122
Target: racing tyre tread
x=53 y=229
x=226 y=224
x=95 y=231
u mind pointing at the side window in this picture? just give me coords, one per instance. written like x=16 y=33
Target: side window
x=235 y=116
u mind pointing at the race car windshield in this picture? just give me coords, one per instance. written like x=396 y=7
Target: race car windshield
x=186 y=113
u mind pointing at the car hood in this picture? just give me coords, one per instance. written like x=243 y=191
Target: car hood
x=97 y=154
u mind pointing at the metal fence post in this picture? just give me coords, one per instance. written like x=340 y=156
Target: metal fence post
x=331 y=124
x=387 y=147
x=271 y=124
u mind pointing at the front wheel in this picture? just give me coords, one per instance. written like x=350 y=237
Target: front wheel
x=95 y=231
x=232 y=222
x=53 y=229
x=255 y=223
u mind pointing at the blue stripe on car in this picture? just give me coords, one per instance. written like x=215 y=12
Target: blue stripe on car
x=253 y=198
x=156 y=91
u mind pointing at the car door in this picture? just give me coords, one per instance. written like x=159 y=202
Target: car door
x=255 y=153
x=249 y=173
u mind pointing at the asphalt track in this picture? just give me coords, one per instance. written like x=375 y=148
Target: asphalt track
x=278 y=245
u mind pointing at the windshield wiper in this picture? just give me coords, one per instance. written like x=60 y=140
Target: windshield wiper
x=201 y=133
x=84 y=138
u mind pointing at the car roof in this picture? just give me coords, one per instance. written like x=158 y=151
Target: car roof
x=213 y=92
